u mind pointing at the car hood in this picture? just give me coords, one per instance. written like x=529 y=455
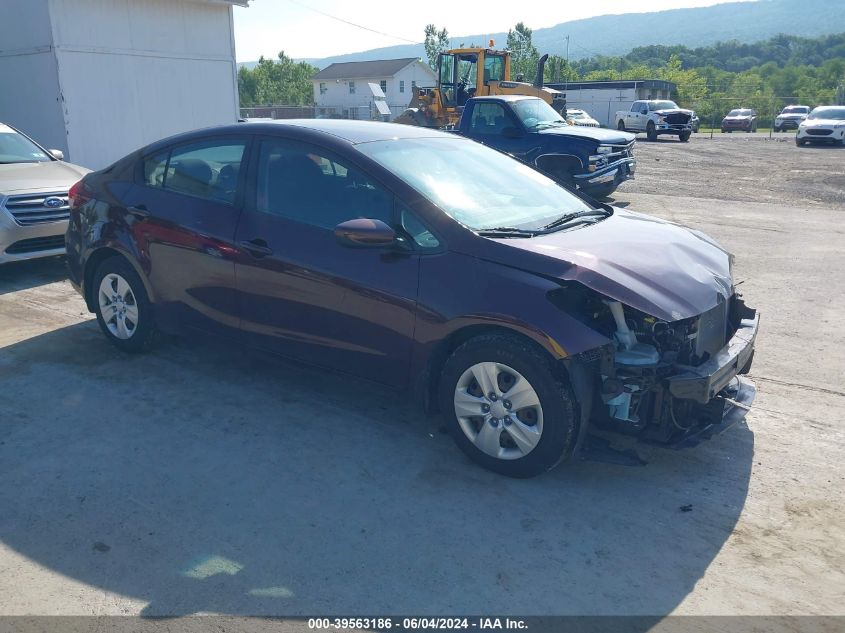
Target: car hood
x=822 y=122
x=661 y=268
x=600 y=135
x=792 y=116
x=744 y=117
x=50 y=176
x=673 y=111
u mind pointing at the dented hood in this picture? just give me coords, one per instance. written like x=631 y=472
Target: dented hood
x=661 y=268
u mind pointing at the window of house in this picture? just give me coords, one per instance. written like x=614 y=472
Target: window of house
x=383 y=85
x=307 y=184
x=352 y=87
x=401 y=85
x=413 y=84
x=323 y=88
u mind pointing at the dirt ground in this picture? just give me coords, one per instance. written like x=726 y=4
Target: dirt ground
x=197 y=479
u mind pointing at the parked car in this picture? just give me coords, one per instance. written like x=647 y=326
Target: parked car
x=741 y=119
x=580 y=117
x=656 y=118
x=825 y=124
x=33 y=197
x=425 y=261
x=790 y=117
x=695 y=122
x=595 y=161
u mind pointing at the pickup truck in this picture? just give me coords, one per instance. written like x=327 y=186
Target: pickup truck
x=656 y=118
x=594 y=160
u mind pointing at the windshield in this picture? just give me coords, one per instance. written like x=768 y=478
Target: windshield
x=477 y=186
x=662 y=105
x=828 y=112
x=740 y=113
x=16 y=148
x=796 y=110
x=536 y=113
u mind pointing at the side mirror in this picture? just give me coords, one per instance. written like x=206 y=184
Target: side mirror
x=56 y=153
x=511 y=132
x=364 y=233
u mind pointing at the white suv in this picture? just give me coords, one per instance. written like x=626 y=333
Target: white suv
x=33 y=197
x=826 y=124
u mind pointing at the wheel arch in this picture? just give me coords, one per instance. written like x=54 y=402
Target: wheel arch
x=437 y=359
x=94 y=260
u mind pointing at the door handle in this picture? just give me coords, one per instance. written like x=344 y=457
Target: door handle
x=140 y=210
x=257 y=247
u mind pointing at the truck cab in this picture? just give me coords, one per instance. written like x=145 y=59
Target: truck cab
x=656 y=117
x=593 y=160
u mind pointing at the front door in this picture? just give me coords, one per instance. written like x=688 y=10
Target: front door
x=303 y=294
x=494 y=125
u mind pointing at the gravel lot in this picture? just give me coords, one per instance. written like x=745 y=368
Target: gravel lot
x=199 y=479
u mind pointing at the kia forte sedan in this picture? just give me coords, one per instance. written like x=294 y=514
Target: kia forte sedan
x=526 y=315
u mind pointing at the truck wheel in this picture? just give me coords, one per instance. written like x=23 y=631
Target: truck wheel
x=683 y=137
x=621 y=125
x=650 y=132
x=506 y=405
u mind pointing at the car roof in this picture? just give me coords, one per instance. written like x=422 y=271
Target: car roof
x=340 y=129
x=505 y=98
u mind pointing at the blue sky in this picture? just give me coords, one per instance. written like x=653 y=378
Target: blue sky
x=297 y=27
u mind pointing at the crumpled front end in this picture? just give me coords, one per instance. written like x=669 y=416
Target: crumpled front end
x=673 y=383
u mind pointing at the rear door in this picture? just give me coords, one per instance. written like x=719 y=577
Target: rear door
x=186 y=207
x=303 y=294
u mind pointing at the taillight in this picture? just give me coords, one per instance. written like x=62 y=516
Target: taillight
x=78 y=195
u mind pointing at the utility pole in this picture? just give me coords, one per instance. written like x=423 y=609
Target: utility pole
x=566 y=81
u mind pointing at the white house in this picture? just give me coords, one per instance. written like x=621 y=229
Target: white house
x=100 y=78
x=342 y=88
x=603 y=98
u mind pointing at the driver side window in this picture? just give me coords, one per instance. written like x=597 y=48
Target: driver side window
x=307 y=184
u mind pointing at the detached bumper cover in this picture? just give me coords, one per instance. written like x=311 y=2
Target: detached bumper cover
x=706 y=381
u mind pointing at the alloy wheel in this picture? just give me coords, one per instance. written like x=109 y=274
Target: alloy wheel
x=498 y=410
x=118 y=306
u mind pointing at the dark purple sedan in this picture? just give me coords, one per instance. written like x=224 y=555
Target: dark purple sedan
x=525 y=314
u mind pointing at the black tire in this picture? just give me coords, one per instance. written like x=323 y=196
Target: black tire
x=683 y=137
x=799 y=142
x=141 y=338
x=558 y=405
x=650 y=131
x=621 y=125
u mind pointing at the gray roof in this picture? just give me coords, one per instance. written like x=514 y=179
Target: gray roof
x=376 y=68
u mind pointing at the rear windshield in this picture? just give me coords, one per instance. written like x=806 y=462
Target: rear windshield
x=16 y=148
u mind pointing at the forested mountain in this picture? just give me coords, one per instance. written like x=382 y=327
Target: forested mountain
x=618 y=34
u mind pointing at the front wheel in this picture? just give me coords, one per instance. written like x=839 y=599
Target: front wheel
x=799 y=142
x=651 y=132
x=621 y=125
x=683 y=137
x=123 y=310
x=507 y=407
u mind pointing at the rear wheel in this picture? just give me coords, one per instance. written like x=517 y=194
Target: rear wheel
x=123 y=309
x=650 y=131
x=506 y=407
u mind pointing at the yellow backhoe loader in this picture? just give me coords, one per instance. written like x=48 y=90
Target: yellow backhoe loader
x=472 y=72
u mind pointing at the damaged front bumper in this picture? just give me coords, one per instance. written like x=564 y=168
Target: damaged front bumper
x=616 y=172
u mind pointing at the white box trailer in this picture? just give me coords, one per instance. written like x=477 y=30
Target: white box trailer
x=603 y=98
x=100 y=78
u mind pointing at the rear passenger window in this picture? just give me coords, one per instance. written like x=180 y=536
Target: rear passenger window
x=208 y=169
x=306 y=183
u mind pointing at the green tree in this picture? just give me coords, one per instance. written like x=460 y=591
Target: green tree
x=435 y=43
x=282 y=81
x=524 y=55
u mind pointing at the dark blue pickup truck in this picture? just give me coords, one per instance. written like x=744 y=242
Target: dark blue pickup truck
x=595 y=160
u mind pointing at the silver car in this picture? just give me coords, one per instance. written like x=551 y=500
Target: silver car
x=34 y=185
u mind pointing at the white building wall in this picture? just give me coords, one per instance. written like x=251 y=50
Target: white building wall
x=603 y=103
x=30 y=99
x=117 y=74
